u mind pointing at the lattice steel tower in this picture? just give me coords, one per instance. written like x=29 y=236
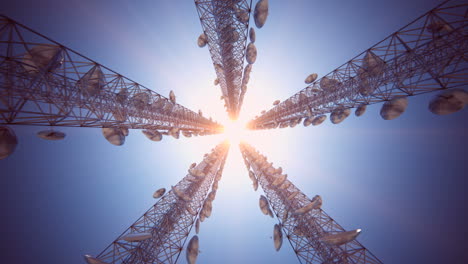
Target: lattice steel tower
x=43 y=83
x=314 y=236
x=160 y=234
x=429 y=54
x=225 y=30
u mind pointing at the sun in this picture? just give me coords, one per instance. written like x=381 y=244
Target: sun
x=235 y=132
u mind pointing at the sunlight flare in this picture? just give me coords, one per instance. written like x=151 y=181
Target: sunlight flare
x=235 y=132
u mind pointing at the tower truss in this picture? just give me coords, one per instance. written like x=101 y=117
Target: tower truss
x=225 y=25
x=308 y=230
x=427 y=55
x=160 y=234
x=44 y=83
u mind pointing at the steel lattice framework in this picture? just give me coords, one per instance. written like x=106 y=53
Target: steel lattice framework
x=44 y=83
x=171 y=219
x=303 y=231
x=427 y=55
x=226 y=24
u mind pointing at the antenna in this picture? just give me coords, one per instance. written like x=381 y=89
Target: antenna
x=427 y=55
x=314 y=236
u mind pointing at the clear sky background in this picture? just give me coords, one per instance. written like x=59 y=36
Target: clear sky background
x=402 y=181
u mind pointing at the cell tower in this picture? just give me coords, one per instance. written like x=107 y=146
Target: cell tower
x=160 y=234
x=427 y=55
x=225 y=30
x=43 y=83
x=313 y=234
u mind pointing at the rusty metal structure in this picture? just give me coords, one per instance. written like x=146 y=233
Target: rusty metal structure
x=304 y=231
x=225 y=25
x=159 y=235
x=427 y=55
x=44 y=83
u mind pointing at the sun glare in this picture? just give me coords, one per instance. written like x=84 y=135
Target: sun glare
x=235 y=132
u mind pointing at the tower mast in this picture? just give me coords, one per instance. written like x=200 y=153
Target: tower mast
x=159 y=235
x=427 y=55
x=44 y=83
x=313 y=234
x=225 y=29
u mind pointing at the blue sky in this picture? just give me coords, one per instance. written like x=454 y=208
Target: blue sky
x=402 y=181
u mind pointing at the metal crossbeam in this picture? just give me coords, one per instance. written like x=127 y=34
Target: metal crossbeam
x=427 y=55
x=44 y=83
x=303 y=231
x=170 y=220
x=226 y=24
